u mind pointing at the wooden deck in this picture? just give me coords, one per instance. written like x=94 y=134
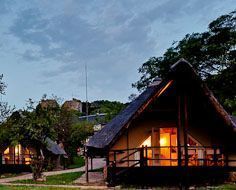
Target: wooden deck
x=169 y=175
x=153 y=156
x=141 y=166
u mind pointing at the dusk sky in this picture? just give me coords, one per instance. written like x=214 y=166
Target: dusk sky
x=45 y=44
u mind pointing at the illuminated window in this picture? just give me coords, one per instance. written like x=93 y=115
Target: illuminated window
x=147 y=142
x=16 y=155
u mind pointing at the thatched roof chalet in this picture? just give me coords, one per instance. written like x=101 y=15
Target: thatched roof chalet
x=105 y=138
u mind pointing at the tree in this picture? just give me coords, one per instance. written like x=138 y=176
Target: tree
x=132 y=97
x=111 y=108
x=64 y=129
x=211 y=53
x=79 y=133
x=5 y=109
x=30 y=128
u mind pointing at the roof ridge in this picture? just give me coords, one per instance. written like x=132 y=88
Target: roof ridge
x=181 y=61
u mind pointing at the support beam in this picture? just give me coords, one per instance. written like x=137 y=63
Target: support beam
x=185 y=124
x=179 y=131
x=127 y=141
x=107 y=159
x=91 y=163
x=142 y=156
x=182 y=136
x=14 y=155
x=86 y=166
x=153 y=144
x=226 y=158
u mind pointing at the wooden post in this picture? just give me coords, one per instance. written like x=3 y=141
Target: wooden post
x=14 y=155
x=107 y=159
x=179 y=132
x=226 y=159
x=205 y=158
x=146 y=159
x=215 y=156
x=86 y=166
x=18 y=154
x=186 y=129
x=114 y=158
x=158 y=149
x=152 y=144
x=142 y=156
x=91 y=162
x=127 y=134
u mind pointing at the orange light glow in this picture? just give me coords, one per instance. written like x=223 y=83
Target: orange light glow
x=6 y=151
x=165 y=87
x=163 y=141
x=27 y=161
x=18 y=149
x=147 y=142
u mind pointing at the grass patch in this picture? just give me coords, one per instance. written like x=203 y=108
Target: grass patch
x=227 y=186
x=78 y=161
x=61 y=179
x=33 y=188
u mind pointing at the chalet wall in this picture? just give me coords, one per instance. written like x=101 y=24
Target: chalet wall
x=200 y=135
x=141 y=129
x=136 y=135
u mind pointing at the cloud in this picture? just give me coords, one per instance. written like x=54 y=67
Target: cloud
x=5 y=6
x=71 y=39
x=54 y=39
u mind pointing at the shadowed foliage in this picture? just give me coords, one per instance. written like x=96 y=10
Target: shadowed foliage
x=211 y=53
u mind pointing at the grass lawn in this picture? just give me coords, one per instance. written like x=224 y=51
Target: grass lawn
x=61 y=179
x=78 y=161
x=33 y=188
x=227 y=186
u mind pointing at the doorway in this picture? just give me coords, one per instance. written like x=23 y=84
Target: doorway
x=168 y=147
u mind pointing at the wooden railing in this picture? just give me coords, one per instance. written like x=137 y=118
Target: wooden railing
x=169 y=156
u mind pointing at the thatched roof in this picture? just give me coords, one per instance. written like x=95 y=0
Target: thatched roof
x=108 y=135
x=54 y=147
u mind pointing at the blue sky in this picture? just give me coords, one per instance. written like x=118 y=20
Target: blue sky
x=45 y=44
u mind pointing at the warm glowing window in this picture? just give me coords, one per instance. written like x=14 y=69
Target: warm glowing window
x=16 y=155
x=147 y=142
x=168 y=149
x=6 y=151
